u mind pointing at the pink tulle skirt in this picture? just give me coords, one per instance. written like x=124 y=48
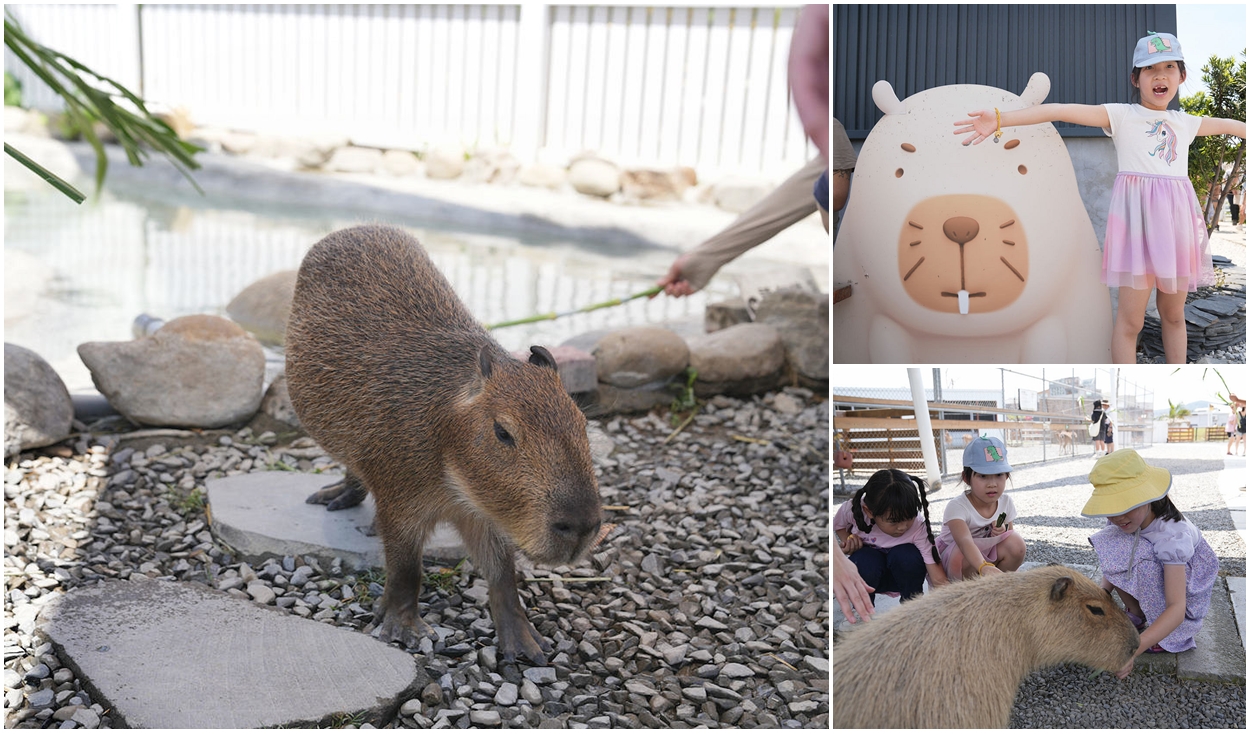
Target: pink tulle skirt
x=1155 y=231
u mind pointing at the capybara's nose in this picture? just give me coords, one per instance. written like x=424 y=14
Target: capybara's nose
x=572 y=529
x=960 y=229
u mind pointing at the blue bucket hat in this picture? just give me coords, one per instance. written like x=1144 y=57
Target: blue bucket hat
x=1156 y=47
x=986 y=455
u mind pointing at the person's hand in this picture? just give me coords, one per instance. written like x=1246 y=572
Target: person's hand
x=996 y=531
x=809 y=74
x=674 y=281
x=852 y=544
x=979 y=126
x=990 y=570
x=850 y=589
x=1122 y=673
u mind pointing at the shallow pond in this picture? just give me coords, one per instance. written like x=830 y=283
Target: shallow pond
x=78 y=273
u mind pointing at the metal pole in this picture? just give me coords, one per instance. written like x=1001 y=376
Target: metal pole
x=937 y=398
x=924 y=428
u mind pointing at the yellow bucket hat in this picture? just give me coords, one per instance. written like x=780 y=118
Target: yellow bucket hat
x=1122 y=482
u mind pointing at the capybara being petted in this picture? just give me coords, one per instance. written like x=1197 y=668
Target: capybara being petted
x=393 y=376
x=954 y=658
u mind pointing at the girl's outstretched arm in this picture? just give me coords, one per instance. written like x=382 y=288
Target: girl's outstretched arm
x=1222 y=126
x=982 y=123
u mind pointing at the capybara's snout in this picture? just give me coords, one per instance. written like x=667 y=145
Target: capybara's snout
x=574 y=525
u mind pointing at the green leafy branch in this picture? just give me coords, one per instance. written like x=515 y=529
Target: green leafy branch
x=103 y=100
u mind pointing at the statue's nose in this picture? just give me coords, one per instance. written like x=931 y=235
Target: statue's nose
x=960 y=229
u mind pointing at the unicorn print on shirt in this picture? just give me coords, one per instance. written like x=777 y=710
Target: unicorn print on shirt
x=1166 y=149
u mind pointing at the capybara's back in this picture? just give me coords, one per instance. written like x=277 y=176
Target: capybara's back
x=955 y=657
x=392 y=375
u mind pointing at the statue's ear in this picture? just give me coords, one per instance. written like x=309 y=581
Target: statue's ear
x=1036 y=90
x=887 y=101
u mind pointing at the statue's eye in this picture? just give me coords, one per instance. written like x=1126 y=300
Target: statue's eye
x=898 y=173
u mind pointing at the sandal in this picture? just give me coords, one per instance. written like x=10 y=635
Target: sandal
x=1155 y=648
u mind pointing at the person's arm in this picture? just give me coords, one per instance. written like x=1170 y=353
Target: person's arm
x=962 y=536
x=1166 y=623
x=1222 y=126
x=937 y=575
x=982 y=124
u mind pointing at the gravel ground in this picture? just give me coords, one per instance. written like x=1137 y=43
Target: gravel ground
x=1049 y=498
x=716 y=612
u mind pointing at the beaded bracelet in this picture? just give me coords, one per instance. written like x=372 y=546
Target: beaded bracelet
x=999 y=132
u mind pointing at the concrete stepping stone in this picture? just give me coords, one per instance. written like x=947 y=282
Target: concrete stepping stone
x=179 y=655
x=263 y=514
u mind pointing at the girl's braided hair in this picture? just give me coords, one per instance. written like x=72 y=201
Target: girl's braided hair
x=894 y=495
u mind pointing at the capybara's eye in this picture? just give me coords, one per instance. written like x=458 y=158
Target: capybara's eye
x=1096 y=610
x=503 y=436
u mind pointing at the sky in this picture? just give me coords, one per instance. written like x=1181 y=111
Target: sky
x=1204 y=30
x=1186 y=385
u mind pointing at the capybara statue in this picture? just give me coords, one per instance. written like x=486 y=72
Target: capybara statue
x=955 y=657
x=393 y=376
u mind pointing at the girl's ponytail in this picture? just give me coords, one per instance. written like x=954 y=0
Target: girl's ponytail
x=858 y=512
x=924 y=502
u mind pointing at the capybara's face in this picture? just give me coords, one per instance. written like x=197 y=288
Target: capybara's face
x=528 y=464
x=1084 y=625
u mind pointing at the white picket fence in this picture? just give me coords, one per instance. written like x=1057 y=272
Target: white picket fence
x=643 y=85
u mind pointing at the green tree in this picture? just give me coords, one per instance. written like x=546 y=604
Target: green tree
x=1177 y=413
x=90 y=98
x=1226 y=82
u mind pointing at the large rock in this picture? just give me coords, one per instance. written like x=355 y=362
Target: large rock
x=264 y=306
x=159 y=654
x=351 y=159
x=400 y=163
x=740 y=360
x=802 y=319
x=575 y=367
x=444 y=162
x=595 y=177
x=654 y=185
x=195 y=372
x=277 y=403
x=640 y=355
x=37 y=407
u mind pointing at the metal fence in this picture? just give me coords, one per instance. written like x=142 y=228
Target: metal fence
x=1040 y=417
x=643 y=85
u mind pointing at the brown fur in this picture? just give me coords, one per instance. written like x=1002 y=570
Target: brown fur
x=1067 y=442
x=392 y=375
x=955 y=657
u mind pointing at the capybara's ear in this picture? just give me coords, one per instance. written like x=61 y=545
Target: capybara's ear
x=1060 y=588
x=483 y=363
x=541 y=357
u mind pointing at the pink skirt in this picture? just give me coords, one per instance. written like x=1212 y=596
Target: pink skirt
x=1155 y=231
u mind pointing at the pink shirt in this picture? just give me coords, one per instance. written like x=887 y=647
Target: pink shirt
x=843 y=519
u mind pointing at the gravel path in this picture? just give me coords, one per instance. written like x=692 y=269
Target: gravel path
x=716 y=612
x=1049 y=498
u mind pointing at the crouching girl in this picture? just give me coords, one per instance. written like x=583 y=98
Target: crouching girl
x=978 y=528
x=878 y=530
x=1156 y=560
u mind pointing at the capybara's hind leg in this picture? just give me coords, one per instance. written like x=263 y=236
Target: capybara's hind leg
x=493 y=555
x=396 y=614
x=347 y=492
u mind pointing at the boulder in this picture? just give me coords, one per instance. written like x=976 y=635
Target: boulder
x=802 y=319
x=657 y=185
x=737 y=194
x=444 y=162
x=741 y=360
x=492 y=166
x=277 y=403
x=575 y=367
x=195 y=372
x=352 y=159
x=640 y=355
x=264 y=306
x=400 y=163
x=595 y=177
x=541 y=175
x=37 y=407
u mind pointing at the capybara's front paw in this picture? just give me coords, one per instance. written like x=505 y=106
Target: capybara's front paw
x=518 y=637
x=345 y=493
x=401 y=625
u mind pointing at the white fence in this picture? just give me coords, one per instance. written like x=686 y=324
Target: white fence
x=643 y=85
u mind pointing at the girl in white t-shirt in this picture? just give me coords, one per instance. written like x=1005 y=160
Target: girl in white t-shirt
x=978 y=529
x=1156 y=235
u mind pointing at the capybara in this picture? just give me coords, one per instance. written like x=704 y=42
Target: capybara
x=955 y=657
x=393 y=376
